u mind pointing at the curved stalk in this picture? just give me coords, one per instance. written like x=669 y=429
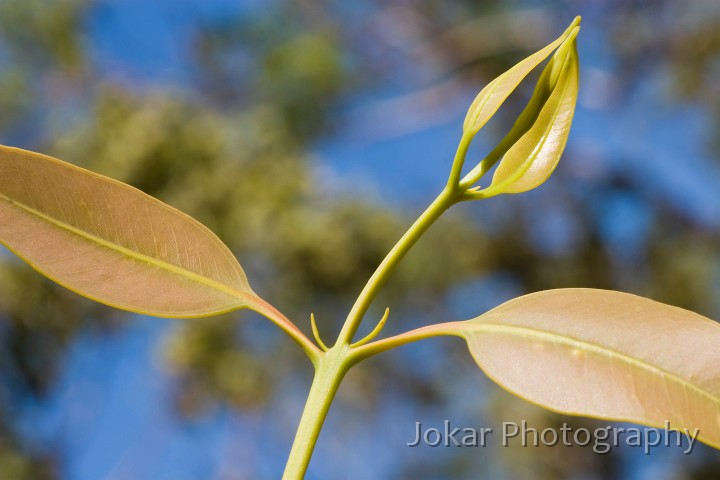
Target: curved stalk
x=450 y=195
x=331 y=365
x=459 y=161
x=386 y=267
x=376 y=331
x=274 y=315
x=316 y=333
x=439 y=329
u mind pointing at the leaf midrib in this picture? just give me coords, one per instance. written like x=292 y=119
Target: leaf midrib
x=182 y=272
x=594 y=348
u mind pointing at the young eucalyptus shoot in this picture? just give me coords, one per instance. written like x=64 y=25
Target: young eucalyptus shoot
x=596 y=353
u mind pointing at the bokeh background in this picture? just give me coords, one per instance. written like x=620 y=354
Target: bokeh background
x=309 y=134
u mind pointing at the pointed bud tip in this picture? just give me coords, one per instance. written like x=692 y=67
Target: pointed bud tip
x=489 y=99
x=572 y=35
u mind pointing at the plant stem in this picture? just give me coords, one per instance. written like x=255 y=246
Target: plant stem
x=450 y=195
x=329 y=372
x=381 y=274
x=331 y=365
x=458 y=161
x=276 y=316
x=449 y=329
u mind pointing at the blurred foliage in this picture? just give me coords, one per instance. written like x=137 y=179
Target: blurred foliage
x=677 y=39
x=232 y=151
x=16 y=464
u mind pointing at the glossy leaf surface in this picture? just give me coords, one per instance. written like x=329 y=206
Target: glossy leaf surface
x=533 y=158
x=604 y=354
x=496 y=92
x=113 y=243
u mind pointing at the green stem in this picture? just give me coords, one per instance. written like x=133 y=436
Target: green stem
x=378 y=279
x=449 y=329
x=450 y=195
x=458 y=161
x=329 y=372
x=331 y=366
